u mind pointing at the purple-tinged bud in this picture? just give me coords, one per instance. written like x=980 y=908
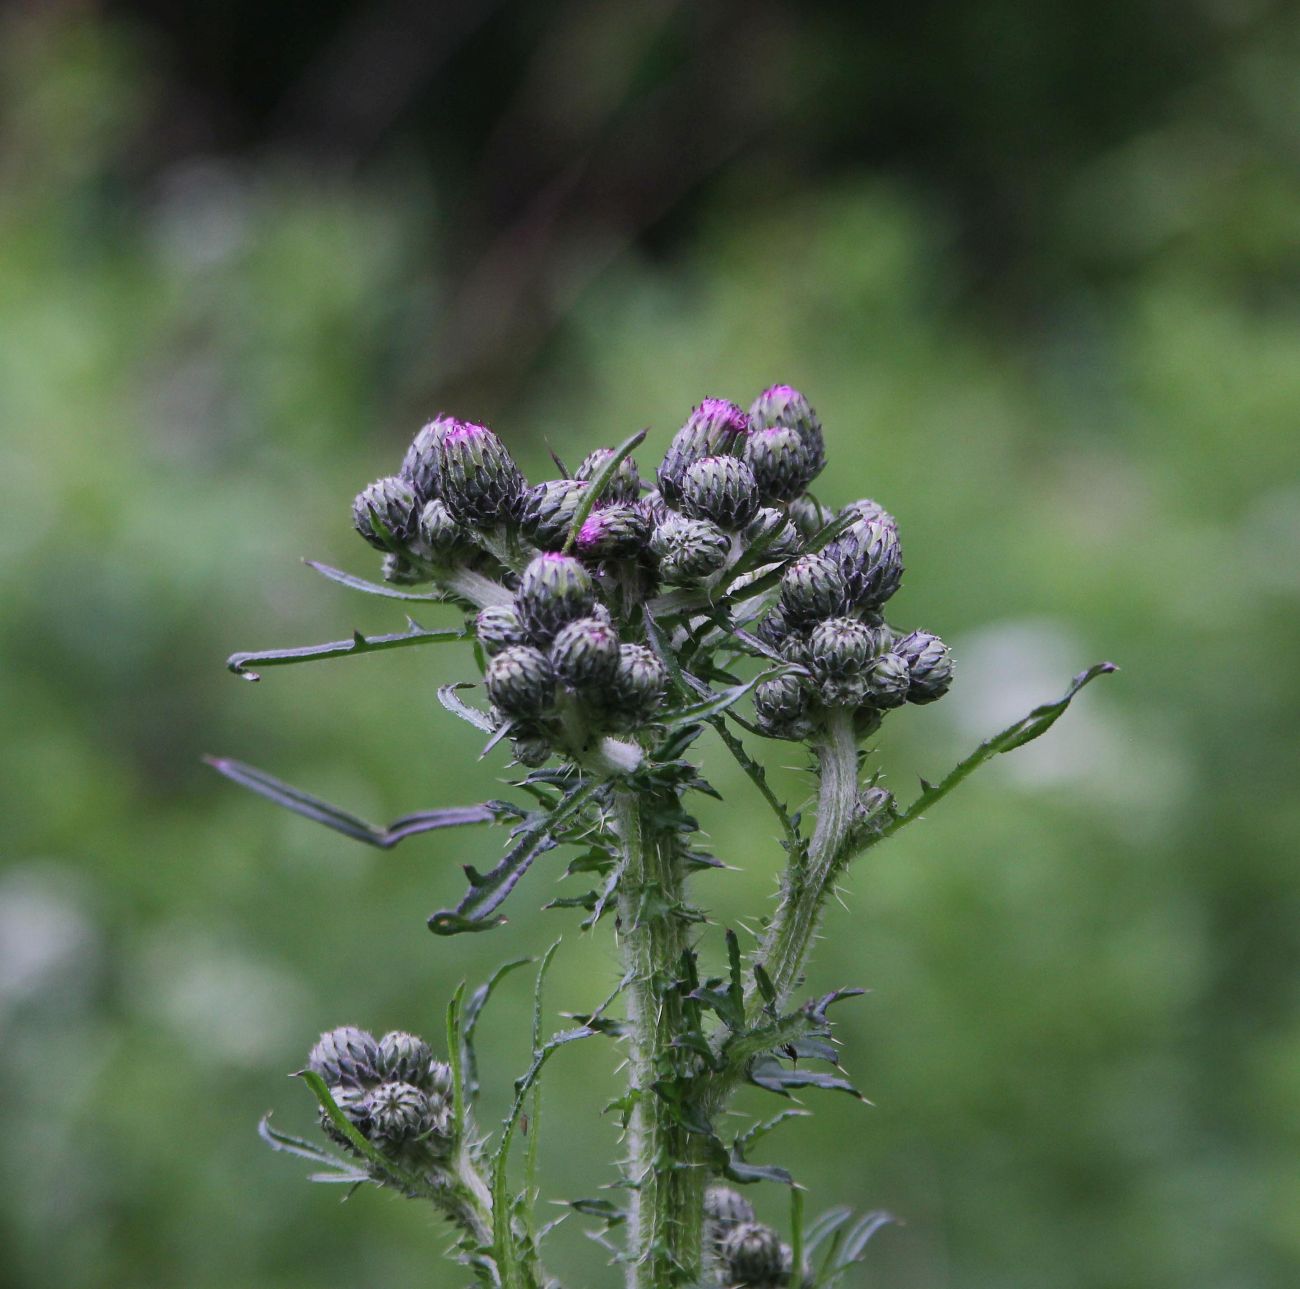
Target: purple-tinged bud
x=714 y=428
x=780 y=461
x=547 y=510
x=399 y=570
x=385 y=512
x=520 y=682
x=929 y=664
x=613 y=532
x=637 y=688
x=346 y=1056
x=444 y=537
x=753 y=1257
x=399 y=1112
x=773 y=627
x=404 y=1058
x=554 y=590
x=688 y=549
x=655 y=508
x=871 y=560
x=721 y=489
x=623 y=489
x=841 y=647
x=784 y=541
x=781 y=706
x=888 y=680
x=498 y=627
x=531 y=750
x=420 y=465
x=810 y=516
x=438 y=1081
x=782 y=405
x=869 y=512
x=586 y=654
x=813 y=588
x=477 y=477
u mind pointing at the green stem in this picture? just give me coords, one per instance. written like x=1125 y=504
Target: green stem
x=665 y=1219
x=809 y=878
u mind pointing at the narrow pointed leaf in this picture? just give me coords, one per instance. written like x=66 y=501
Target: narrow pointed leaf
x=355 y=583
x=242 y=664
x=343 y=821
x=452 y=701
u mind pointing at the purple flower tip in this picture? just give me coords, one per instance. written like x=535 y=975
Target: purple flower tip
x=467 y=430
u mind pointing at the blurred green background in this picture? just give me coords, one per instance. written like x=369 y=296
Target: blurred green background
x=1036 y=266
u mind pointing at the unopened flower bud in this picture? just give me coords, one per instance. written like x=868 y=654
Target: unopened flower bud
x=871 y=802
x=547 y=510
x=655 y=508
x=782 y=405
x=399 y=1112
x=477 y=477
x=420 y=465
x=929 y=664
x=688 y=549
x=871 y=560
x=714 y=428
x=809 y=515
x=531 y=750
x=725 y=1208
x=781 y=707
x=399 y=570
x=354 y=1102
x=841 y=647
x=498 y=627
x=780 y=460
x=887 y=681
x=637 y=687
x=438 y=1080
x=554 y=590
x=869 y=512
x=624 y=488
x=813 y=588
x=585 y=654
x=384 y=513
x=843 y=691
x=404 y=1058
x=440 y=532
x=772 y=527
x=347 y=1056
x=721 y=489
x=520 y=681
x=753 y=1257
x=613 y=532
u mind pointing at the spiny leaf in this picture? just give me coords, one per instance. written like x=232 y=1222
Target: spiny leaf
x=449 y=698
x=282 y=1141
x=720 y=702
x=470 y=1014
x=599 y=482
x=415 y=634
x=487 y=891
x=343 y=821
x=767 y=1072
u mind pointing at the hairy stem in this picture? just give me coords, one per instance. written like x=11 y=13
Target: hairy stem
x=665 y=1220
x=809 y=879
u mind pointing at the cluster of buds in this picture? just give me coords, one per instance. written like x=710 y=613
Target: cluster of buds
x=557 y=669
x=743 y=1253
x=392 y=1090
x=568 y=661
x=829 y=620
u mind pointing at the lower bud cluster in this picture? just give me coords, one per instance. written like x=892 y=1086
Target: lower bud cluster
x=743 y=1253
x=392 y=1090
x=829 y=620
x=555 y=652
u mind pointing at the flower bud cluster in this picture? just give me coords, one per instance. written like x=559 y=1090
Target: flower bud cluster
x=743 y=1253
x=829 y=620
x=730 y=504
x=557 y=669
x=393 y=1091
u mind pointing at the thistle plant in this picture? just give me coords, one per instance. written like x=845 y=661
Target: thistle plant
x=611 y=620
